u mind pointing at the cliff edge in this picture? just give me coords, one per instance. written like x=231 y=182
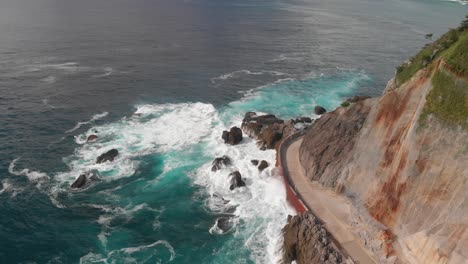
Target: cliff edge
x=402 y=158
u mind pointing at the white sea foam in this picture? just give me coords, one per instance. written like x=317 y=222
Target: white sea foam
x=261 y=206
x=34 y=176
x=240 y=73
x=9 y=187
x=45 y=101
x=125 y=254
x=463 y=2
x=108 y=71
x=90 y=121
x=49 y=79
x=153 y=128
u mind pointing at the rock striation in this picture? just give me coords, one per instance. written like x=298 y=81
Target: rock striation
x=307 y=242
x=410 y=176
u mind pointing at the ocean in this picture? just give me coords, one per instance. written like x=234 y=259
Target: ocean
x=159 y=81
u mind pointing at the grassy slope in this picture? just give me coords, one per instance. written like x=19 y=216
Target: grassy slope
x=448 y=100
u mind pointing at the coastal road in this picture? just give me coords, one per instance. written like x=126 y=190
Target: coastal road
x=332 y=209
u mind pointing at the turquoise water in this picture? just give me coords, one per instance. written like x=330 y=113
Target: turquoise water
x=158 y=201
x=160 y=81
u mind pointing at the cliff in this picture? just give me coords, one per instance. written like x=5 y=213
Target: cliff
x=402 y=158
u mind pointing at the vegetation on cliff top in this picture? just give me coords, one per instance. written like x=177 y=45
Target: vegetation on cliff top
x=447 y=101
x=452 y=47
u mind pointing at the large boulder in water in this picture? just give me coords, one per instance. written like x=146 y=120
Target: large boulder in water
x=108 y=156
x=319 y=110
x=233 y=137
x=218 y=163
x=236 y=180
x=254 y=162
x=263 y=165
x=79 y=182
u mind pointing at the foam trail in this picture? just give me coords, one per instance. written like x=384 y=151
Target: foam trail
x=125 y=254
x=92 y=120
x=238 y=73
x=32 y=175
x=107 y=72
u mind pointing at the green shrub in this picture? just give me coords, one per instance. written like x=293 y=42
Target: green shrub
x=345 y=104
x=457 y=55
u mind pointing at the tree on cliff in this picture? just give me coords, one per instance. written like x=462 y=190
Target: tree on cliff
x=464 y=24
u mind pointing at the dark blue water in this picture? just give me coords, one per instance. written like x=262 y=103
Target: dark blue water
x=159 y=81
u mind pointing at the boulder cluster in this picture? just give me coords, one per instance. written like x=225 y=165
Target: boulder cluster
x=85 y=179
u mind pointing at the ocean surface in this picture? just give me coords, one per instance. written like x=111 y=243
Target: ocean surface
x=159 y=81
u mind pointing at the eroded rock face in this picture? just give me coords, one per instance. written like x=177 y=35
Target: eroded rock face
x=328 y=143
x=220 y=162
x=266 y=129
x=236 y=180
x=233 y=136
x=408 y=177
x=108 y=156
x=307 y=242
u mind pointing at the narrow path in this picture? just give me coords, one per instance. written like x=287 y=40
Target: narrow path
x=332 y=209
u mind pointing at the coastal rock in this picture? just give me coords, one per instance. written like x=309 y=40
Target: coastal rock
x=91 y=138
x=270 y=136
x=328 y=143
x=218 y=163
x=357 y=98
x=263 y=165
x=267 y=129
x=79 y=182
x=224 y=224
x=254 y=162
x=319 y=110
x=306 y=120
x=108 y=156
x=307 y=242
x=233 y=136
x=236 y=180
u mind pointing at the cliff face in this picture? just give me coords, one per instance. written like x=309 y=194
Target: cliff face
x=307 y=241
x=410 y=176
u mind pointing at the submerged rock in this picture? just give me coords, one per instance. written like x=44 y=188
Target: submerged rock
x=254 y=162
x=91 y=138
x=236 y=180
x=233 y=136
x=79 y=182
x=108 y=156
x=218 y=163
x=263 y=165
x=319 y=110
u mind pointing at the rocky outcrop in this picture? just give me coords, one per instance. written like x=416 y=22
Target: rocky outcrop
x=263 y=165
x=319 y=110
x=91 y=138
x=266 y=129
x=236 y=180
x=233 y=136
x=409 y=177
x=108 y=156
x=220 y=162
x=79 y=182
x=307 y=242
x=328 y=143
